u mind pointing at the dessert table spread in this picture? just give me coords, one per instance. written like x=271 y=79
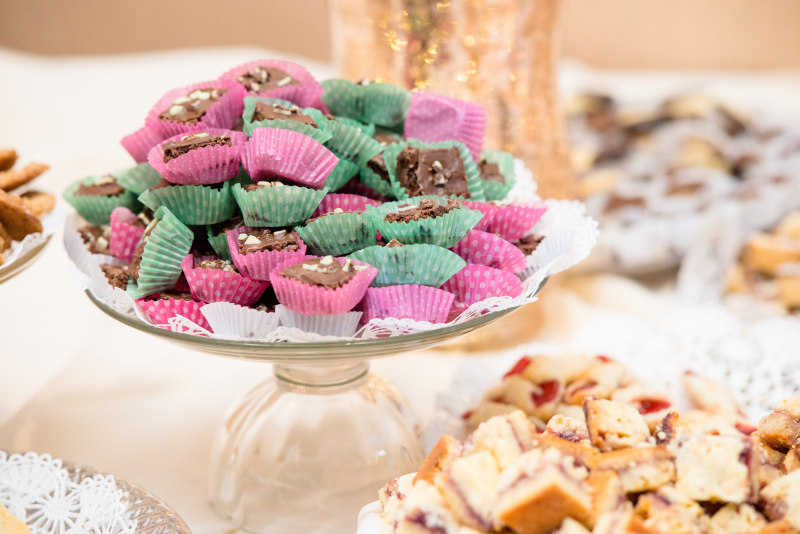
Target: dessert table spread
x=104 y=395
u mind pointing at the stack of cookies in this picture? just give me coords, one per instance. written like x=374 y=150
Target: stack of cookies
x=577 y=445
x=266 y=188
x=20 y=215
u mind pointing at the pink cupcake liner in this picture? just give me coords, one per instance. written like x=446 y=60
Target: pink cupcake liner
x=487 y=208
x=273 y=152
x=222 y=114
x=139 y=143
x=515 y=221
x=181 y=285
x=313 y=300
x=125 y=236
x=474 y=283
x=345 y=202
x=216 y=285
x=259 y=265
x=433 y=118
x=304 y=95
x=206 y=165
x=483 y=248
x=161 y=311
x=410 y=301
x=356 y=187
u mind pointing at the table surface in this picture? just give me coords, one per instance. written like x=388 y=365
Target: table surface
x=79 y=386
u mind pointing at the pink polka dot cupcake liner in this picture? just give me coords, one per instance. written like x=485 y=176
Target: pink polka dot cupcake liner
x=201 y=166
x=139 y=143
x=515 y=221
x=216 y=285
x=222 y=114
x=433 y=118
x=314 y=300
x=274 y=153
x=487 y=208
x=345 y=202
x=160 y=311
x=259 y=265
x=474 y=283
x=125 y=236
x=307 y=94
x=483 y=248
x=409 y=301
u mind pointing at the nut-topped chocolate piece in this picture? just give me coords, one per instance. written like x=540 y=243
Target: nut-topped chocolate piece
x=262 y=79
x=191 y=108
x=268 y=112
x=191 y=142
x=262 y=239
x=426 y=209
x=215 y=263
x=324 y=272
x=490 y=171
x=96 y=238
x=106 y=186
x=262 y=184
x=117 y=275
x=432 y=171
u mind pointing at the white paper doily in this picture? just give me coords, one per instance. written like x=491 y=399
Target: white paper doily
x=569 y=234
x=55 y=497
x=51 y=222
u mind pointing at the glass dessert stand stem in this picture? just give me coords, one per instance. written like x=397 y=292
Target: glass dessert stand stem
x=304 y=450
x=7 y=272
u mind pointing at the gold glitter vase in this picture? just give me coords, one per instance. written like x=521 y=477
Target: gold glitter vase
x=499 y=53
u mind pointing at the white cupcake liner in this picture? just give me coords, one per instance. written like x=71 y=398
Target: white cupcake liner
x=86 y=262
x=232 y=320
x=339 y=325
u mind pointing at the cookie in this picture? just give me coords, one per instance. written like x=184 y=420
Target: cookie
x=38 y=202
x=7 y=159
x=13 y=178
x=17 y=218
x=5 y=238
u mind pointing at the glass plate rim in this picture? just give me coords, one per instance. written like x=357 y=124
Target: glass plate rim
x=298 y=351
x=12 y=269
x=133 y=495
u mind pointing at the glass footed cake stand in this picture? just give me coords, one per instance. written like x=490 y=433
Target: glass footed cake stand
x=9 y=271
x=305 y=449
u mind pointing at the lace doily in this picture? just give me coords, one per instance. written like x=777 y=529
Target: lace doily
x=569 y=237
x=54 y=497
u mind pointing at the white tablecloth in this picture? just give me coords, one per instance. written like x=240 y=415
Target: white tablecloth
x=79 y=386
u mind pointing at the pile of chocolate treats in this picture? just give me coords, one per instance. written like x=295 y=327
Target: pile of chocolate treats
x=264 y=187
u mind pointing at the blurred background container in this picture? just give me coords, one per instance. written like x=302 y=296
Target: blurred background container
x=724 y=34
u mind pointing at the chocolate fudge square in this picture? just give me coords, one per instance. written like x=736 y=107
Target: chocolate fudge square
x=191 y=142
x=268 y=112
x=432 y=171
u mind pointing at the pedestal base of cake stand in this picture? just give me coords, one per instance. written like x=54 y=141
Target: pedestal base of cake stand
x=303 y=451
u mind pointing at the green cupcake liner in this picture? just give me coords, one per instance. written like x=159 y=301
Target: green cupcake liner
x=193 y=204
x=342 y=97
x=385 y=104
x=338 y=234
x=320 y=134
x=368 y=177
x=97 y=210
x=138 y=179
x=219 y=242
x=366 y=129
x=341 y=174
x=277 y=206
x=166 y=246
x=350 y=143
x=505 y=163
x=422 y=264
x=474 y=182
x=444 y=231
